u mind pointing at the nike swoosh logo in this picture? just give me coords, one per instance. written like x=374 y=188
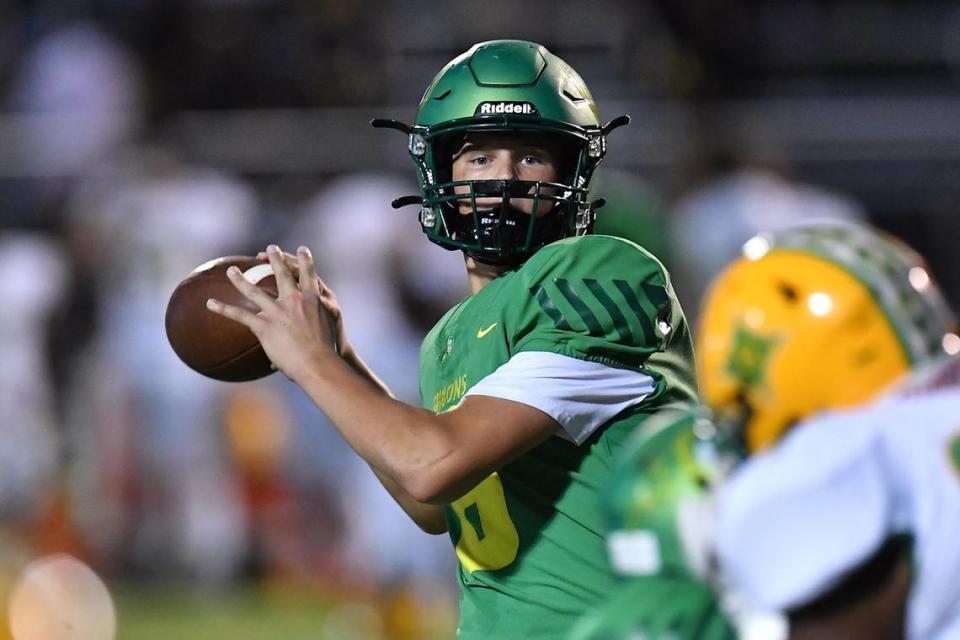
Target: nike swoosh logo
x=482 y=332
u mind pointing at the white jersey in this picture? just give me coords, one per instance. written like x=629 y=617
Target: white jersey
x=794 y=520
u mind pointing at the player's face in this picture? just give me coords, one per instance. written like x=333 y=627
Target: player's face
x=504 y=157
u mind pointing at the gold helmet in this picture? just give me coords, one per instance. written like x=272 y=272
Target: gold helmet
x=815 y=317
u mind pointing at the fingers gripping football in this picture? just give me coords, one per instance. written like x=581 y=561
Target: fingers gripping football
x=328 y=300
x=294 y=327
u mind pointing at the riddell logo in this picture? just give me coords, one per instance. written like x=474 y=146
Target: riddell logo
x=515 y=108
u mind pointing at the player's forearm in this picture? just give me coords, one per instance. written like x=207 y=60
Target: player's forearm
x=428 y=517
x=404 y=443
x=352 y=358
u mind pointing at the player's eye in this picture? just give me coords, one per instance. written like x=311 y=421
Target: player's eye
x=532 y=160
x=480 y=161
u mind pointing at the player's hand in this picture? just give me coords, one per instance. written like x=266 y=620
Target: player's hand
x=327 y=298
x=296 y=328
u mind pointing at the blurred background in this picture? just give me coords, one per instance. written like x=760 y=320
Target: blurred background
x=140 y=138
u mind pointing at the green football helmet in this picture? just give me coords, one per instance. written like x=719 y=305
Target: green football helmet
x=505 y=86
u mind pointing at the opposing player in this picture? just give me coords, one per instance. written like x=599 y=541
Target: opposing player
x=531 y=385
x=830 y=504
x=811 y=319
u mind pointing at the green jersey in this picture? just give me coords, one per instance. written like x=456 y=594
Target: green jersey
x=659 y=516
x=529 y=538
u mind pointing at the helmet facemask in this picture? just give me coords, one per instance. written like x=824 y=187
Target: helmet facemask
x=504 y=221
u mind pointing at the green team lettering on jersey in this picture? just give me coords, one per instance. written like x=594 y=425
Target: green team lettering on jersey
x=530 y=537
x=657 y=508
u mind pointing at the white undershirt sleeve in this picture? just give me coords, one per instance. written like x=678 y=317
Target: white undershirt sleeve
x=580 y=395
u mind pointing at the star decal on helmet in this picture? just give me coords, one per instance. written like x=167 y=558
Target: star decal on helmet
x=749 y=356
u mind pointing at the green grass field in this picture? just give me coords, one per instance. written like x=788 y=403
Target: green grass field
x=164 y=613
x=156 y=613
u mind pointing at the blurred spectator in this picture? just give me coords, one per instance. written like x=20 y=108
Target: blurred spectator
x=87 y=88
x=34 y=282
x=369 y=284
x=738 y=199
x=78 y=96
x=156 y=222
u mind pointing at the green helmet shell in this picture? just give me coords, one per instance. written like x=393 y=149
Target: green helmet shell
x=517 y=87
x=508 y=71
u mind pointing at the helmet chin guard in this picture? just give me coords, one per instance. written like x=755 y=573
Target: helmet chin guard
x=503 y=234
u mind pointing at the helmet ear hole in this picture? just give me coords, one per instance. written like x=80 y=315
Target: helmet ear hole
x=788 y=291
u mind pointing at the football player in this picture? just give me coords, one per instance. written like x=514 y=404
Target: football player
x=531 y=385
x=882 y=476
x=851 y=523
x=815 y=318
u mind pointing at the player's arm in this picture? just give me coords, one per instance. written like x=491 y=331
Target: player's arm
x=428 y=517
x=434 y=458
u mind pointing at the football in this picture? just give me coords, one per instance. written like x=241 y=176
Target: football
x=209 y=343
